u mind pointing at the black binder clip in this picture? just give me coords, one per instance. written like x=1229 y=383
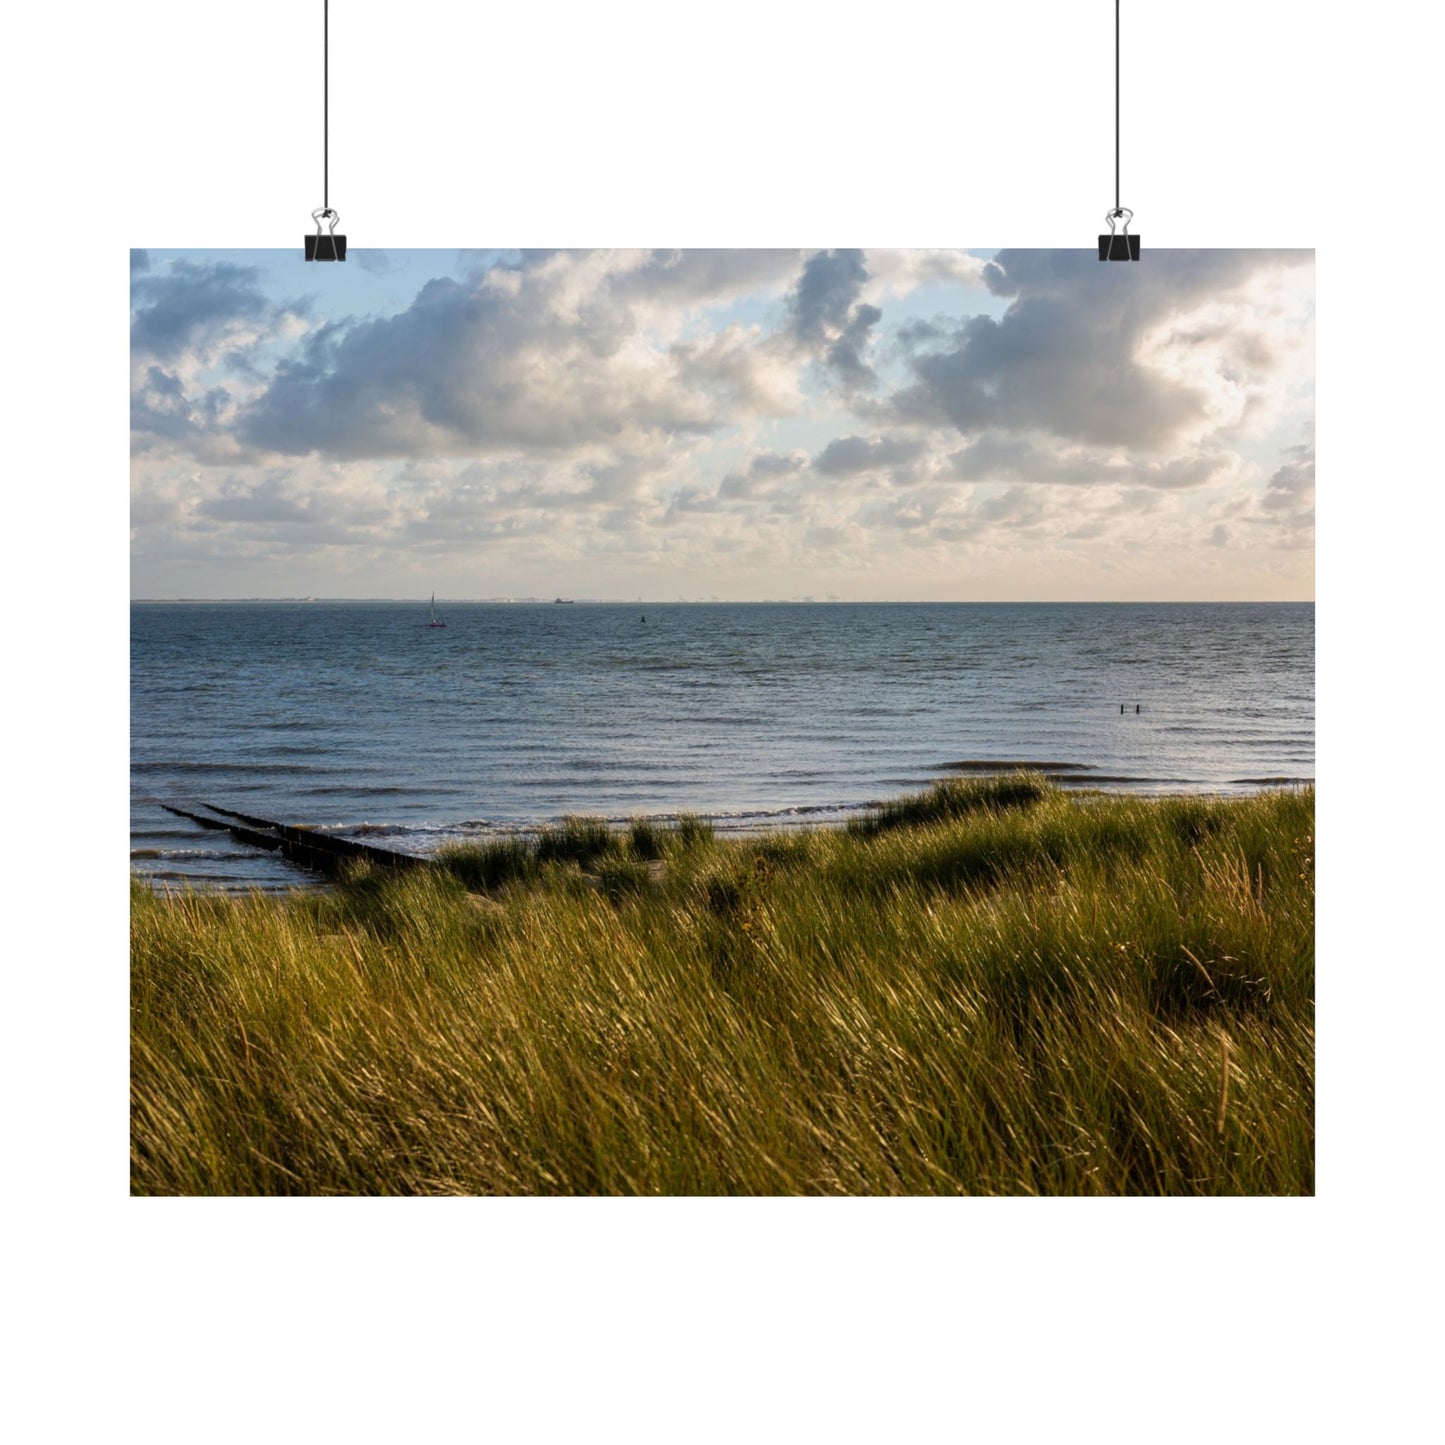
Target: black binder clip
x=328 y=247
x=1122 y=247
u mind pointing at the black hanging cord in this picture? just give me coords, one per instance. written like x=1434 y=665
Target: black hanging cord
x=326 y=101
x=1118 y=246
x=325 y=245
x=1116 y=104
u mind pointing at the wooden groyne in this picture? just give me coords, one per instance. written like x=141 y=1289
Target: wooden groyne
x=307 y=847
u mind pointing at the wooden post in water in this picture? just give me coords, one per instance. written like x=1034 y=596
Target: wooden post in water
x=321 y=852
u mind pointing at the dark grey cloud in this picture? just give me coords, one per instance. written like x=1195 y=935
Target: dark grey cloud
x=917 y=334
x=774 y=464
x=190 y=302
x=1292 y=487
x=406 y=385
x=845 y=355
x=187 y=316
x=691 y=500
x=1062 y=360
x=847 y=456
x=762 y=476
x=827 y=319
x=1288 y=504
x=542 y=353
x=831 y=282
x=162 y=410
x=140 y=260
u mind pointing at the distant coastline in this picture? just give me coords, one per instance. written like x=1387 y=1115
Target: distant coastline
x=759 y=601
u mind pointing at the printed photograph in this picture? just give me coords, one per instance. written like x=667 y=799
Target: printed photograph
x=739 y=722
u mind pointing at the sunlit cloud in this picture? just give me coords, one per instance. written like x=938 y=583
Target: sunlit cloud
x=733 y=423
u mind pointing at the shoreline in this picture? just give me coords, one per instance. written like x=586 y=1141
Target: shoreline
x=1071 y=779
x=995 y=987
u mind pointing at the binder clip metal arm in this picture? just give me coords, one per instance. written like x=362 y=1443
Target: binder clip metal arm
x=328 y=246
x=1121 y=247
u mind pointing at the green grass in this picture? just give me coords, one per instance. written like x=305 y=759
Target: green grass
x=952 y=799
x=1003 y=989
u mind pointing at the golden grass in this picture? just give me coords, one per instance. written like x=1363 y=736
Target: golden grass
x=1042 y=994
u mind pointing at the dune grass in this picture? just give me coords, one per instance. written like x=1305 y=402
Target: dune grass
x=1001 y=989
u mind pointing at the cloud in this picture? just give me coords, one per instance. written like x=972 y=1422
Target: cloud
x=1286 y=510
x=194 y=306
x=692 y=499
x=730 y=420
x=1107 y=379
x=999 y=457
x=896 y=273
x=828 y=322
x=190 y=320
x=554 y=353
x=162 y=409
x=702 y=276
x=847 y=456
x=281 y=499
x=764 y=475
x=264 y=500
x=1292 y=488
x=825 y=293
x=1065 y=358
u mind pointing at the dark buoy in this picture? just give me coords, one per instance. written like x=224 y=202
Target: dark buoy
x=1121 y=709
x=1136 y=707
x=644 y=617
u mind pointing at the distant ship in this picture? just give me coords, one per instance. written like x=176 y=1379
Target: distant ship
x=434 y=622
x=567 y=601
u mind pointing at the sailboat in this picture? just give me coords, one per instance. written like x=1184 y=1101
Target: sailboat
x=434 y=622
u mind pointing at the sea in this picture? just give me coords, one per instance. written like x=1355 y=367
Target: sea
x=360 y=718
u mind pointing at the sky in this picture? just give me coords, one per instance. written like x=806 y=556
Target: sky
x=866 y=425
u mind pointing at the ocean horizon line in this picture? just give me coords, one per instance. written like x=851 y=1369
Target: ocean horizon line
x=806 y=601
